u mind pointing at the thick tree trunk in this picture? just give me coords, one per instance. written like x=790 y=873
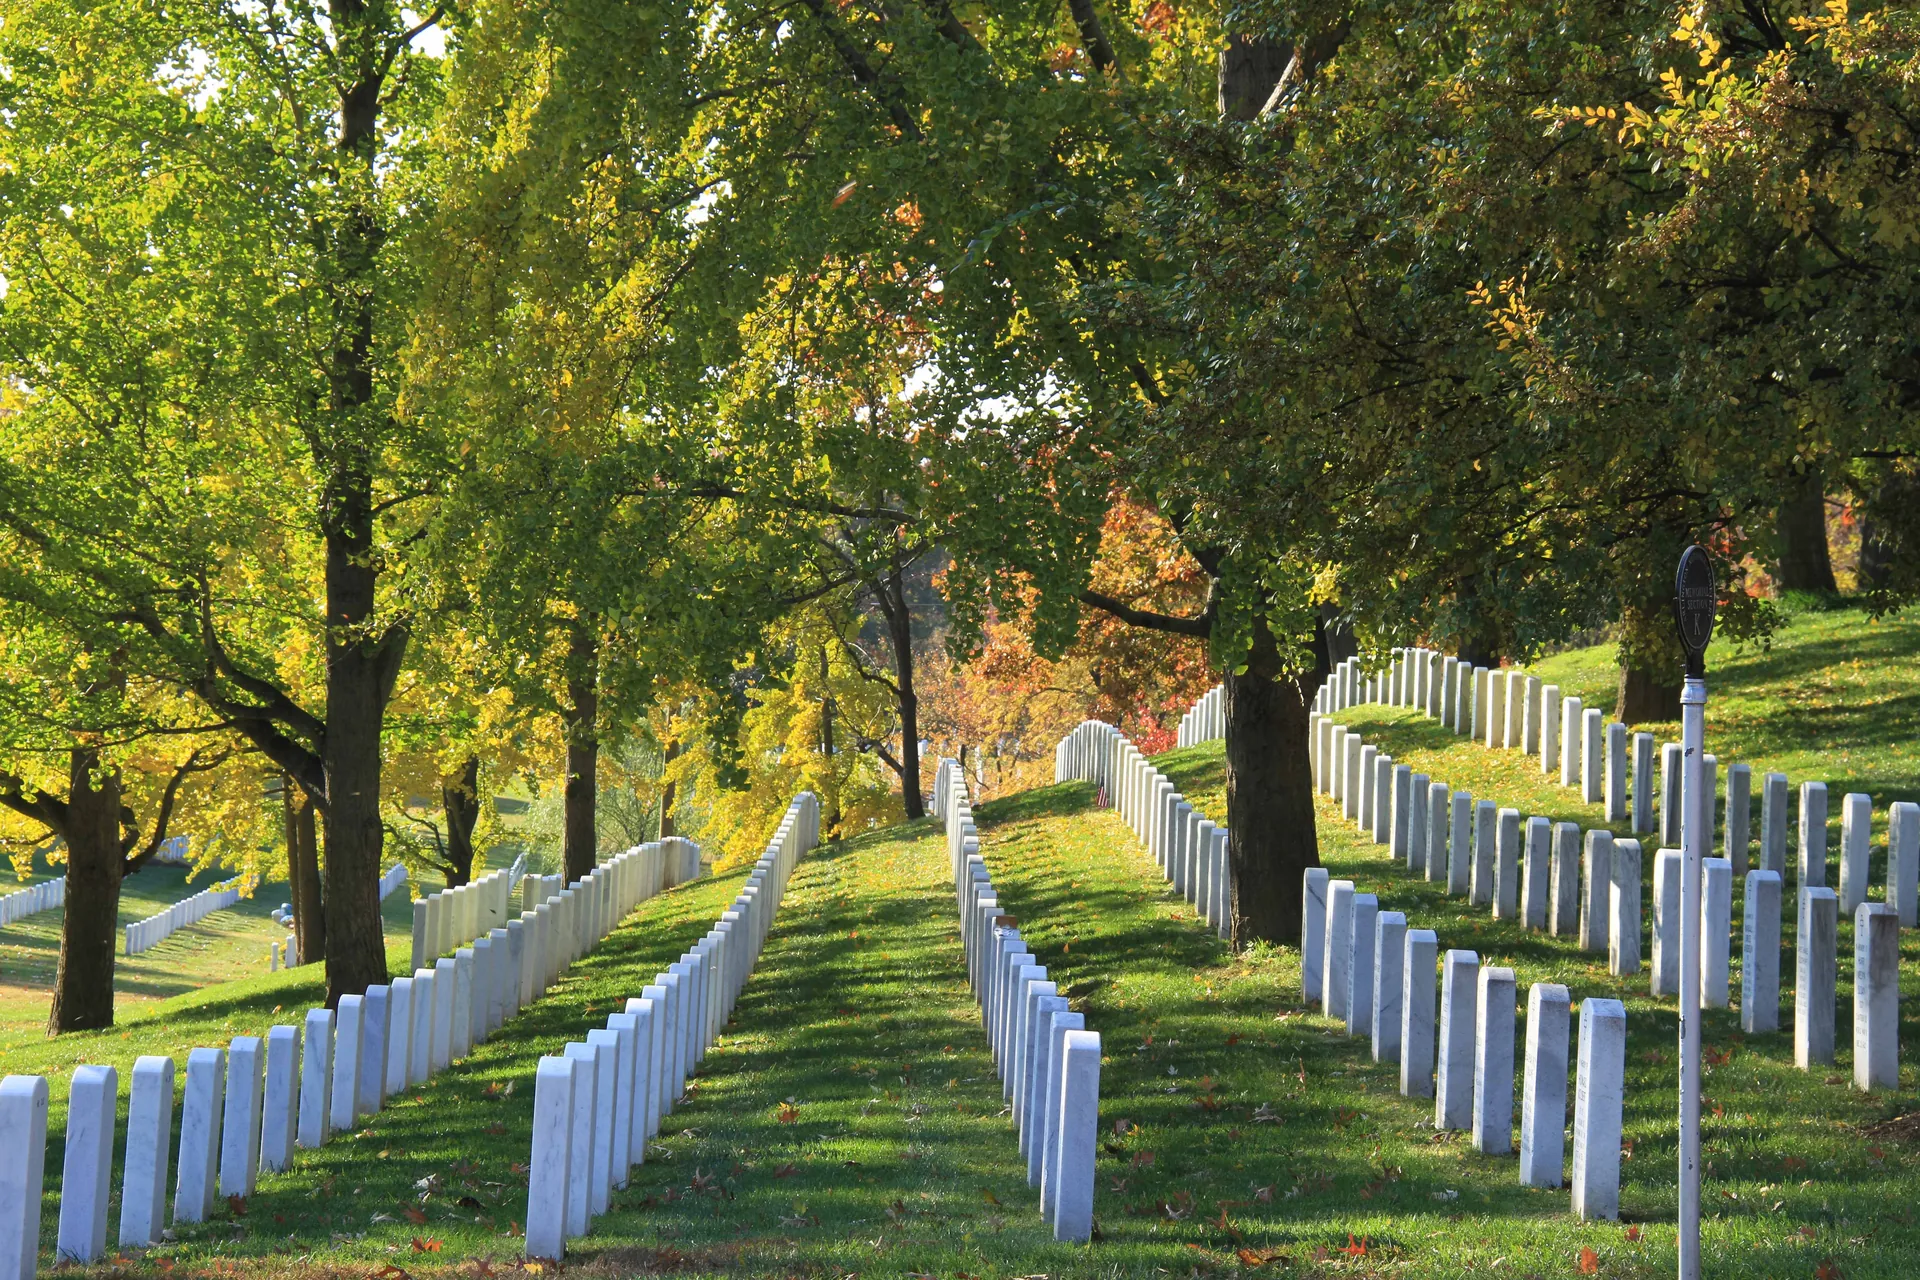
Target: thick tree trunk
x=356 y=705
x=580 y=842
x=363 y=656
x=1271 y=836
x=83 y=988
x=1646 y=696
x=303 y=871
x=1805 y=564
x=900 y=633
x=460 y=799
x=1250 y=66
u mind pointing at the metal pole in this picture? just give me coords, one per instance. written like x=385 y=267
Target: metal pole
x=1693 y=840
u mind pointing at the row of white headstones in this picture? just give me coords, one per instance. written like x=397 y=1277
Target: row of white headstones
x=1367 y=968
x=1189 y=847
x=1381 y=983
x=1514 y=711
x=1509 y=709
x=44 y=896
x=1398 y=810
x=1484 y=860
x=1047 y=1060
x=598 y=1101
x=156 y=928
x=248 y=1106
x=441 y=919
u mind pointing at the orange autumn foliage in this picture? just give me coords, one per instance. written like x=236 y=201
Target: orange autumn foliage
x=1008 y=706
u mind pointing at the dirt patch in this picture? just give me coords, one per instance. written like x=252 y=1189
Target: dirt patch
x=1904 y=1128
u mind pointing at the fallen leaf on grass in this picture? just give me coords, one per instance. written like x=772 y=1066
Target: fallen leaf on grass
x=429 y=1245
x=988 y=1196
x=785 y=1171
x=1828 y=1270
x=1260 y=1257
x=1633 y=1234
x=414 y=1215
x=1589 y=1264
x=788 y=1113
x=237 y=1206
x=1355 y=1248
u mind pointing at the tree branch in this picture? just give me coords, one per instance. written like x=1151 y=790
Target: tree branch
x=194 y=763
x=44 y=809
x=1093 y=36
x=855 y=60
x=1200 y=627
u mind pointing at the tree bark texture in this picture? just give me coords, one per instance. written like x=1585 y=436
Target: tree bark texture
x=357 y=687
x=1646 y=695
x=303 y=873
x=891 y=593
x=1250 y=66
x=96 y=861
x=666 y=794
x=1805 y=563
x=460 y=799
x=1271 y=833
x=830 y=814
x=580 y=841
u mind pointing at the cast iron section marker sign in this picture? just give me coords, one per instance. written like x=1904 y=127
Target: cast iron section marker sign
x=1694 y=600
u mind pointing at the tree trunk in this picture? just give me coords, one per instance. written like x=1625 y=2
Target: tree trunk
x=356 y=704
x=1875 y=570
x=363 y=657
x=303 y=870
x=1646 y=695
x=830 y=813
x=666 y=795
x=460 y=799
x=900 y=633
x=1271 y=836
x=83 y=989
x=1805 y=564
x=580 y=844
x=1250 y=66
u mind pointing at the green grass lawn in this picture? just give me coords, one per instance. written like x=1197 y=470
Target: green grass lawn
x=227 y=946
